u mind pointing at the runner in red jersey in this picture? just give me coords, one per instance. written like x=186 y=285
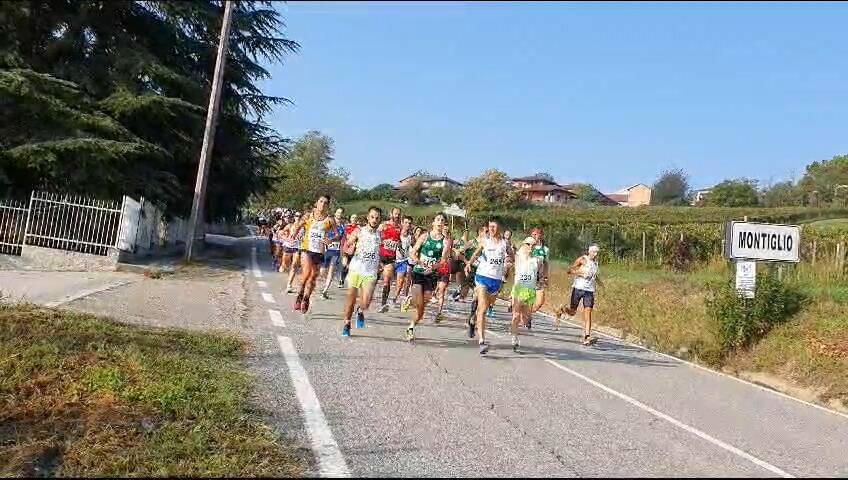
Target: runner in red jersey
x=388 y=253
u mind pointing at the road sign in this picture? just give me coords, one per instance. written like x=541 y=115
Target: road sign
x=455 y=211
x=763 y=241
x=746 y=278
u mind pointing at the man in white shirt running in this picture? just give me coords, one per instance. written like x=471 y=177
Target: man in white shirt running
x=363 y=269
x=586 y=280
x=495 y=258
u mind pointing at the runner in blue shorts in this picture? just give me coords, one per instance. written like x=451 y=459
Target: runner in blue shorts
x=495 y=258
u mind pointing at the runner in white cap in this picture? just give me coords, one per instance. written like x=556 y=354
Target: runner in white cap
x=586 y=279
x=523 y=296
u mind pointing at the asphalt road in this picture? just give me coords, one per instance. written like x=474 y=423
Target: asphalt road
x=376 y=405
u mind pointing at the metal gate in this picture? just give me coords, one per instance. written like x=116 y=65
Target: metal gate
x=73 y=223
x=13 y=218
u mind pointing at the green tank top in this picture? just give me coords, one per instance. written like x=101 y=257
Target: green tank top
x=429 y=254
x=541 y=252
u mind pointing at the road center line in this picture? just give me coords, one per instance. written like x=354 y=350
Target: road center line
x=675 y=422
x=331 y=463
x=262 y=284
x=276 y=318
x=256 y=271
x=268 y=297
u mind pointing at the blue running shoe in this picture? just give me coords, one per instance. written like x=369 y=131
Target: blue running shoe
x=360 y=319
x=346 y=330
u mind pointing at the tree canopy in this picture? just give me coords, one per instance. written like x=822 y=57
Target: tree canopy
x=303 y=173
x=825 y=177
x=671 y=188
x=109 y=98
x=740 y=192
x=492 y=190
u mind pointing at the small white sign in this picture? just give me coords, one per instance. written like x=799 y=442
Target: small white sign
x=455 y=211
x=763 y=241
x=746 y=278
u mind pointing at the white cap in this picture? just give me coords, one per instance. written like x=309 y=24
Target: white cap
x=594 y=248
x=529 y=241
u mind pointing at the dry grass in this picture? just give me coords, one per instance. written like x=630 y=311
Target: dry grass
x=811 y=351
x=666 y=311
x=84 y=396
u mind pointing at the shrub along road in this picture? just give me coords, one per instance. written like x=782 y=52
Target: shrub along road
x=374 y=404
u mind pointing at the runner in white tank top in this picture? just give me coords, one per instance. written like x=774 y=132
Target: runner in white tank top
x=523 y=295
x=363 y=269
x=495 y=258
x=583 y=289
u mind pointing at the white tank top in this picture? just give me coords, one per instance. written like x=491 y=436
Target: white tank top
x=493 y=259
x=294 y=240
x=526 y=270
x=403 y=248
x=585 y=279
x=366 y=258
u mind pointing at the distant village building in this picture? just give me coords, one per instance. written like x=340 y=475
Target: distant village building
x=632 y=196
x=540 y=189
x=701 y=195
x=428 y=182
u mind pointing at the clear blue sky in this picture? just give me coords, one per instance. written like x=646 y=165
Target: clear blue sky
x=604 y=93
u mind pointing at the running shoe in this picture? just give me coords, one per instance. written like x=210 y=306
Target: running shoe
x=289 y=289
x=529 y=323
x=325 y=295
x=490 y=312
x=298 y=303
x=341 y=284
x=406 y=303
x=360 y=318
x=384 y=308
x=515 y=343
x=410 y=334
x=484 y=348
x=439 y=317
x=589 y=340
x=304 y=305
x=472 y=328
x=346 y=330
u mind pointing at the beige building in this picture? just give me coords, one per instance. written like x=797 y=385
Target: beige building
x=632 y=196
x=428 y=182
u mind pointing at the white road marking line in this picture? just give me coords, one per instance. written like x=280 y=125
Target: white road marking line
x=700 y=367
x=256 y=271
x=262 y=284
x=331 y=463
x=675 y=422
x=277 y=318
x=85 y=293
x=268 y=297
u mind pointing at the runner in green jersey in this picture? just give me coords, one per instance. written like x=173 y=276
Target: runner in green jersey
x=430 y=252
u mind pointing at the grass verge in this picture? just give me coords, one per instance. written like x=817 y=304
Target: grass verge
x=666 y=311
x=86 y=396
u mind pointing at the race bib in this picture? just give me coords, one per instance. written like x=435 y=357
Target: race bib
x=525 y=278
x=390 y=245
x=334 y=245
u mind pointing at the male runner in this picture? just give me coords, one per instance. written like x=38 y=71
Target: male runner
x=352 y=224
x=402 y=269
x=540 y=251
x=444 y=274
x=333 y=253
x=317 y=225
x=388 y=253
x=417 y=233
x=430 y=252
x=364 y=268
x=291 y=249
x=586 y=279
x=523 y=297
x=495 y=258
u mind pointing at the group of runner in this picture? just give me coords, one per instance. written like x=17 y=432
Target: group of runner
x=422 y=264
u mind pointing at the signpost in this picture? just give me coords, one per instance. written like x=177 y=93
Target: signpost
x=746 y=278
x=454 y=211
x=746 y=243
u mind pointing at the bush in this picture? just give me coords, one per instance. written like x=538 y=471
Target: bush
x=743 y=321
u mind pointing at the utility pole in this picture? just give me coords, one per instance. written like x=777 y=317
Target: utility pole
x=209 y=133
